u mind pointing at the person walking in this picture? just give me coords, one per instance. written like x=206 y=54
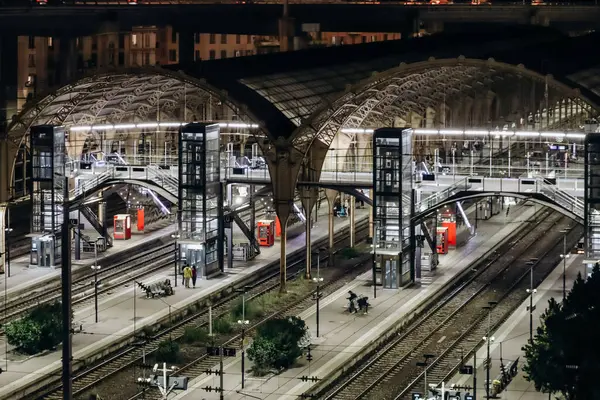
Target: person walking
x=194 y=276
x=187 y=274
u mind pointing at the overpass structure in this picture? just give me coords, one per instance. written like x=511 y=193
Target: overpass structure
x=307 y=103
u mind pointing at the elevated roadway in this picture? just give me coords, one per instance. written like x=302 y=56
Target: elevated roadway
x=262 y=17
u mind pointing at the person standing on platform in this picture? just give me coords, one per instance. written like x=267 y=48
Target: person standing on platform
x=187 y=274
x=194 y=275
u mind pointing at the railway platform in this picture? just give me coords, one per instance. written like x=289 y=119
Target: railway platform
x=23 y=277
x=514 y=333
x=343 y=335
x=127 y=309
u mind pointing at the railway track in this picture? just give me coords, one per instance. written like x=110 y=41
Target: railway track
x=265 y=281
x=457 y=321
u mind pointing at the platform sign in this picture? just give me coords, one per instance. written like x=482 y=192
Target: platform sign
x=216 y=351
x=469 y=397
x=176 y=382
x=466 y=370
x=417 y=396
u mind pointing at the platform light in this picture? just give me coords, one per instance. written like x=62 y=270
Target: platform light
x=477 y=132
x=105 y=127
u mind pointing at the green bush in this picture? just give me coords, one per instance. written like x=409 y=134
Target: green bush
x=193 y=334
x=349 y=253
x=253 y=310
x=222 y=325
x=39 y=330
x=276 y=345
x=167 y=351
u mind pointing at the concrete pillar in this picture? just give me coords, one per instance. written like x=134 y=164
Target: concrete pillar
x=331 y=196
x=371 y=221
x=352 y=221
x=284 y=162
x=286 y=33
x=3 y=260
x=309 y=199
x=186 y=47
x=67 y=59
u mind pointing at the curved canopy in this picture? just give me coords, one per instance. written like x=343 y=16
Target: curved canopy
x=293 y=94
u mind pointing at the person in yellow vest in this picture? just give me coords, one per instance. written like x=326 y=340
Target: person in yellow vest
x=187 y=275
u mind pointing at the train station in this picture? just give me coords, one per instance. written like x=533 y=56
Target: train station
x=401 y=198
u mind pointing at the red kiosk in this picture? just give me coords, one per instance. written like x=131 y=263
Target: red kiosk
x=442 y=240
x=122 y=226
x=266 y=233
x=448 y=220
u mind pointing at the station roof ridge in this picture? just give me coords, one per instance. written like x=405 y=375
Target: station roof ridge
x=282 y=91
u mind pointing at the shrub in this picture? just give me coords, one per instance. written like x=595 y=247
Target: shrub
x=253 y=310
x=193 y=334
x=277 y=344
x=222 y=325
x=167 y=351
x=39 y=330
x=349 y=253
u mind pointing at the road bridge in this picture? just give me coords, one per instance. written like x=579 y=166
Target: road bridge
x=233 y=17
x=303 y=102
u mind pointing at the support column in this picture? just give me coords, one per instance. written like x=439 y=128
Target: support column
x=286 y=33
x=331 y=196
x=8 y=80
x=186 y=47
x=371 y=224
x=67 y=59
x=3 y=253
x=284 y=161
x=309 y=199
x=352 y=221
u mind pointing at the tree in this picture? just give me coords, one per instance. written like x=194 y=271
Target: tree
x=563 y=357
x=39 y=330
x=277 y=344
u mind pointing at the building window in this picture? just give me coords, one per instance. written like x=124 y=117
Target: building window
x=146 y=40
x=134 y=39
x=364 y=39
x=121 y=40
x=111 y=53
x=238 y=53
x=248 y=39
x=373 y=38
x=238 y=39
x=172 y=55
x=121 y=58
x=30 y=80
x=197 y=55
x=32 y=42
x=173 y=36
x=223 y=38
x=212 y=39
x=197 y=38
x=50 y=42
x=94 y=43
x=223 y=53
x=212 y=55
x=146 y=58
x=31 y=60
x=385 y=36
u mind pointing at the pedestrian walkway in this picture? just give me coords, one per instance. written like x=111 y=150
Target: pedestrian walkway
x=514 y=333
x=343 y=335
x=128 y=309
x=23 y=277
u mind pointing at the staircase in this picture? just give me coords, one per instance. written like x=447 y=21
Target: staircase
x=246 y=231
x=164 y=179
x=95 y=222
x=566 y=200
x=91 y=184
x=438 y=197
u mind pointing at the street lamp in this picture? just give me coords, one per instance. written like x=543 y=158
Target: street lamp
x=176 y=265
x=318 y=281
x=531 y=292
x=243 y=322
x=488 y=339
x=7 y=250
x=564 y=256
x=425 y=364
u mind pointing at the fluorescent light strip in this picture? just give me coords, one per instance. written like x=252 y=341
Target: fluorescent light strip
x=477 y=132
x=105 y=127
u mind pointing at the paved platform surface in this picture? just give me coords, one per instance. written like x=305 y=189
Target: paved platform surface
x=514 y=333
x=22 y=276
x=128 y=309
x=344 y=334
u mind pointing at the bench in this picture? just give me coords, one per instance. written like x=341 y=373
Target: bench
x=157 y=289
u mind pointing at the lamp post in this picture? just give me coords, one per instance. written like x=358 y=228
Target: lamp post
x=177 y=252
x=531 y=291
x=318 y=281
x=96 y=268
x=7 y=250
x=564 y=256
x=243 y=323
x=488 y=339
x=425 y=364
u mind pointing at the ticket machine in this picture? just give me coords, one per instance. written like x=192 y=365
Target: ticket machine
x=122 y=227
x=266 y=233
x=442 y=240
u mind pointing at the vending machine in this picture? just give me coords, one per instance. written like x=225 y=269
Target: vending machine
x=266 y=233
x=122 y=226
x=442 y=240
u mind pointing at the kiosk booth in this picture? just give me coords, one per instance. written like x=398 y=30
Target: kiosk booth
x=45 y=252
x=122 y=226
x=442 y=240
x=266 y=232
